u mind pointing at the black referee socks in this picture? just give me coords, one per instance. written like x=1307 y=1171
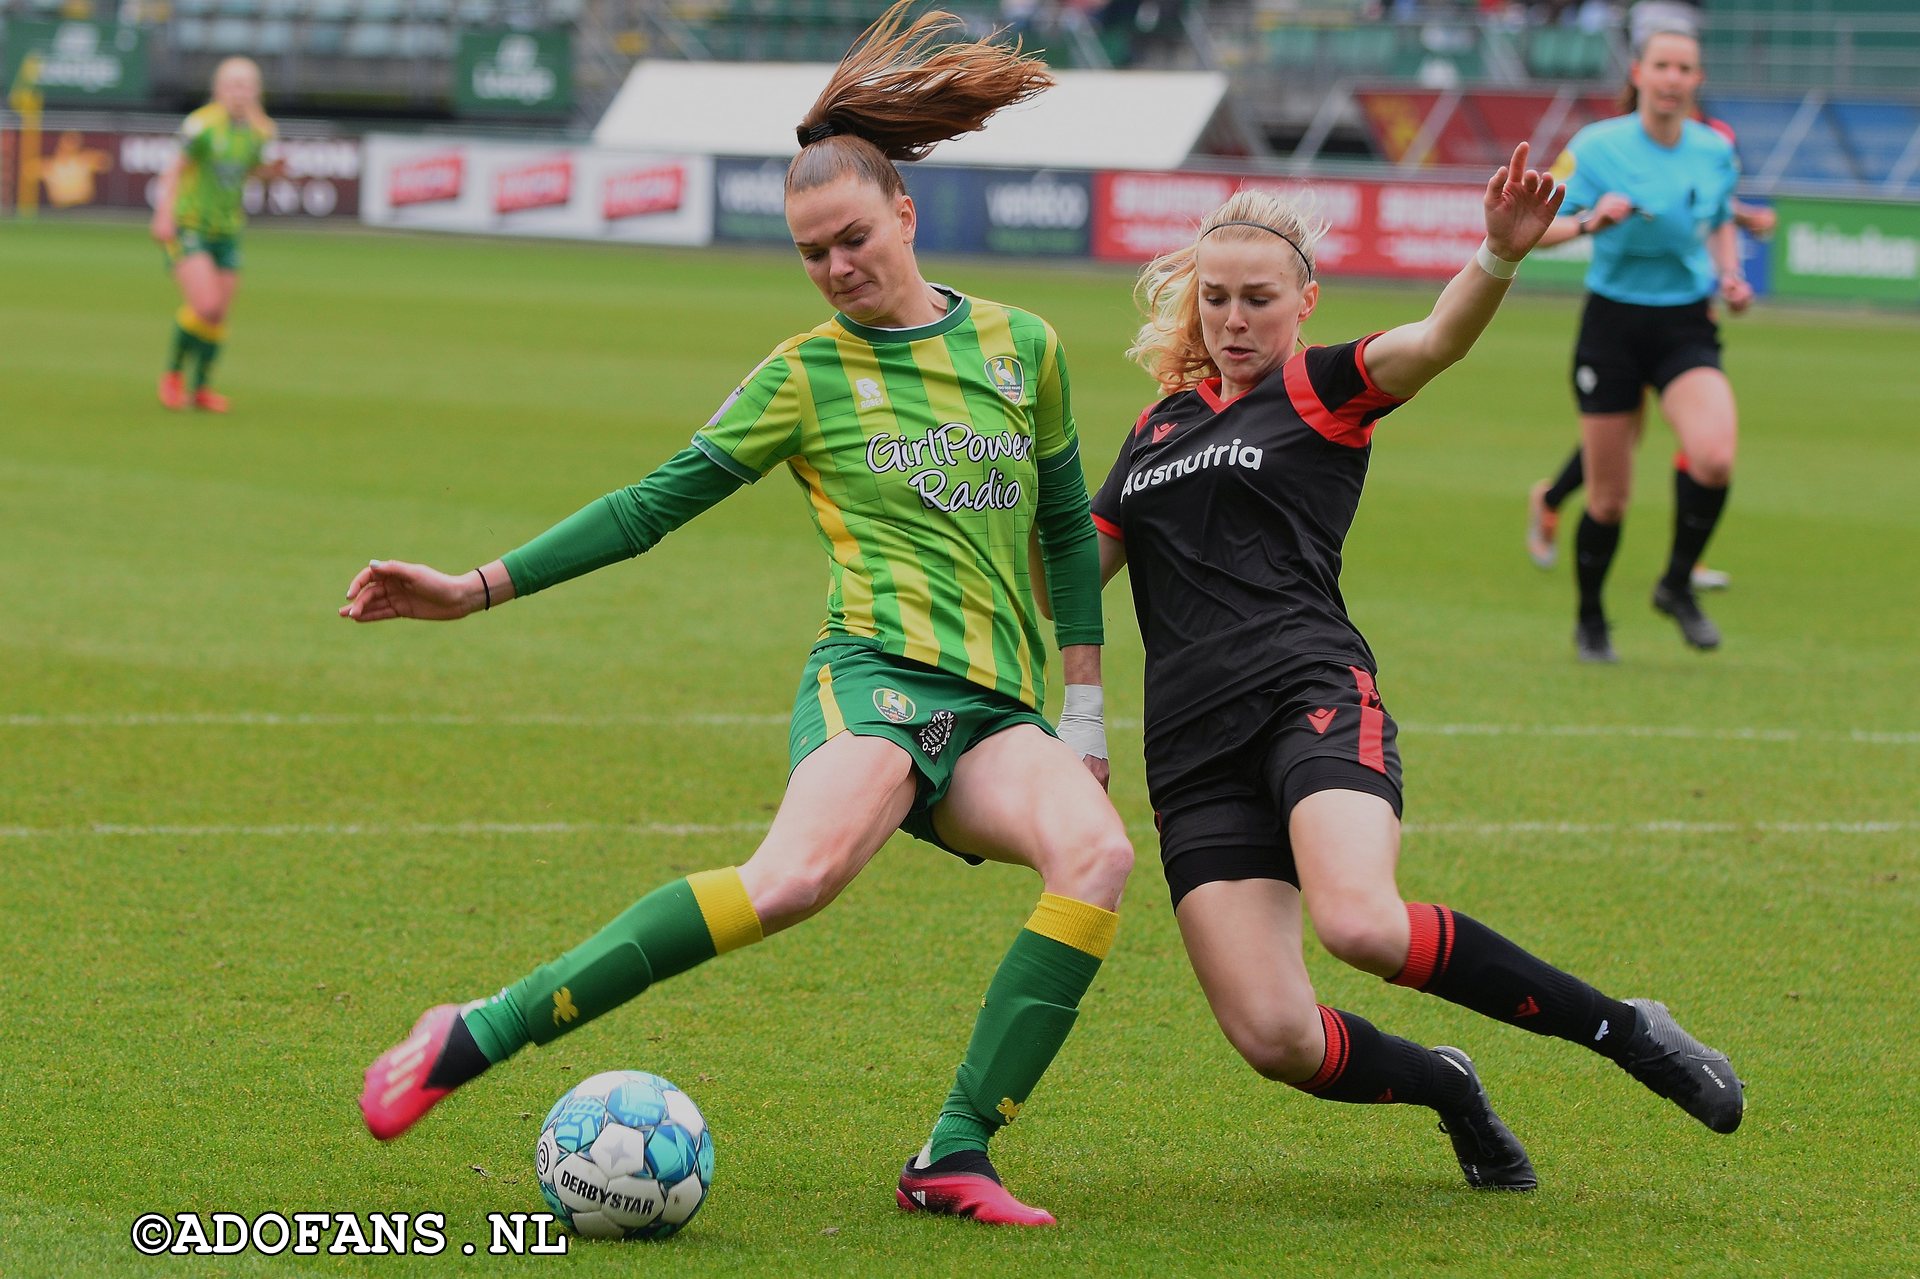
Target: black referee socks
x=1593 y=546
x=1696 y=511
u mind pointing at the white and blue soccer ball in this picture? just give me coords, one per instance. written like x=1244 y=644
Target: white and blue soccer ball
x=624 y=1155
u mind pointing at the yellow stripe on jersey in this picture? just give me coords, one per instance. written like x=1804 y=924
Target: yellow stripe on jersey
x=855 y=587
x=949 y=404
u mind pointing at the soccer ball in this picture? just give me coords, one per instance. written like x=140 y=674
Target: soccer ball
x=624 y=1155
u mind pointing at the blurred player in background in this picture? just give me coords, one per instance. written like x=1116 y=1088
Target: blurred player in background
x=1546 y=497
x=197 y=218
x=1657 y=188
x=1271 y=760
x=933 y=435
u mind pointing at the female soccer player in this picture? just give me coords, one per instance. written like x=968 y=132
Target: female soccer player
x=933 y=435
x=197 y=217
x=1271 y=762
x=1648 y=322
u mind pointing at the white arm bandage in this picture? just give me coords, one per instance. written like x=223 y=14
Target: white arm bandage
x=1083 y=723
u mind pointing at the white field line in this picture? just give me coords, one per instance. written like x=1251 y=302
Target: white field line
x=269 y=719
x=376 y=830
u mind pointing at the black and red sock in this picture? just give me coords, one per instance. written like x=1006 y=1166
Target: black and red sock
x=1369 y=1067
x=1464 y=962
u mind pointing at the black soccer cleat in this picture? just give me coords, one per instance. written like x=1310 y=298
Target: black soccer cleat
x=1593 y=640
x=1490 y=1155
x=1696 y=628
x=1694 y=1077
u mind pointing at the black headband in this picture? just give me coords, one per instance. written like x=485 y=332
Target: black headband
x=812 y=133
x=1270 y=230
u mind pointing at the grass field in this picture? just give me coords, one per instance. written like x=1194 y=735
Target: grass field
x=245 y=842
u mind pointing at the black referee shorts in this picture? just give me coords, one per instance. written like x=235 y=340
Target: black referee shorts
x=1624 y=348
x=1224 y=785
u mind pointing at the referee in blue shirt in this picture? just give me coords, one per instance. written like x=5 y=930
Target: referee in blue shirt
x=1655 y=190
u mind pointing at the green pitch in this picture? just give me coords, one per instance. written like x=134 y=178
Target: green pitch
x=244 y=842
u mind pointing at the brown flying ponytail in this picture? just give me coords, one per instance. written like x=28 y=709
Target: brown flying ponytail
x=895 y=95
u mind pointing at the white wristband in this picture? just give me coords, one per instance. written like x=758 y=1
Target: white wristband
x=1497 y=267
x=1083 y=720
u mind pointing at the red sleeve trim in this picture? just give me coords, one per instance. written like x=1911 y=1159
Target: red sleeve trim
x=1145 y=413
x=1108 y=527
x=1325 y=422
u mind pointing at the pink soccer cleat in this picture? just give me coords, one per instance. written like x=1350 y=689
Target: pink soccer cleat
x=964 y=1184
x=400 y=1084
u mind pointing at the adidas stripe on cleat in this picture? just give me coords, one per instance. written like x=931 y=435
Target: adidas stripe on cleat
x=1694 y=1077
x=964 y=1184
x=1490 y=1156
x=401 y=1085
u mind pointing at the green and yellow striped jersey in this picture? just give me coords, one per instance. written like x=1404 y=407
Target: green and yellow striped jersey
x=922 y=453
x=217 y=155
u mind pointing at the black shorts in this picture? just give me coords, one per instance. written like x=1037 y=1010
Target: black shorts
x=1624 y=348
x=1224 y=786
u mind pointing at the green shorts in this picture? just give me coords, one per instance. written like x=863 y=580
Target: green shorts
x=934 y=715
x=223 y=249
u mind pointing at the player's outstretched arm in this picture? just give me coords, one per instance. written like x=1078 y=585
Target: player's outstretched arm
x=1520 y=204
x=386 y=589
x=625 y=523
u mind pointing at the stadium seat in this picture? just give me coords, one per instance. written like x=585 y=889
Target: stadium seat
x=1362 y=50
x=239 y=8
x=192 y=8
x=323 y=38
x=232 y=35
x=330 y=10
x=379 y=10
x=425 y=40
x=190 y=35
x=432 y=10
x=1877 y=133
x=372 y=40
x=275 y=36
x=1293 y=46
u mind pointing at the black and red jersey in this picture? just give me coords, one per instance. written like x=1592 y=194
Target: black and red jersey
x=1234 y=513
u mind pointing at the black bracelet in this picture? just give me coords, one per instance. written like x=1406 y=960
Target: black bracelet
x=483 y=586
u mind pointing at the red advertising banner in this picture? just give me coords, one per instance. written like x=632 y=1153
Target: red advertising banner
x=111 y=169
x=638 y=192
x=1398 y=230
x=543 y=184
x=431 y=179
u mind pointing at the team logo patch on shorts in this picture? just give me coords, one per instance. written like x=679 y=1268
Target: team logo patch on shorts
x=1586 y=379
x=1008 y=377
x=893 y=704
x=938 y=732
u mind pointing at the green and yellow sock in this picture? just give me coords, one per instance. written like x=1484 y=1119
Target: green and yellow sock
x=189 y=338
x=675 y=927
x=1030 y=1006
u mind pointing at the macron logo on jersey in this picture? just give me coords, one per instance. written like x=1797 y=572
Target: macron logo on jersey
x=1234 y=454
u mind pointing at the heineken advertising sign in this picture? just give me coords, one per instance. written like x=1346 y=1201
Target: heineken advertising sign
x=70 y=63
x=1847 y=249
x=513 y=73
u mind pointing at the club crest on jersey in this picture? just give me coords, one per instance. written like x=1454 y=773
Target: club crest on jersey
x=894 y=706
x=1008 y=377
